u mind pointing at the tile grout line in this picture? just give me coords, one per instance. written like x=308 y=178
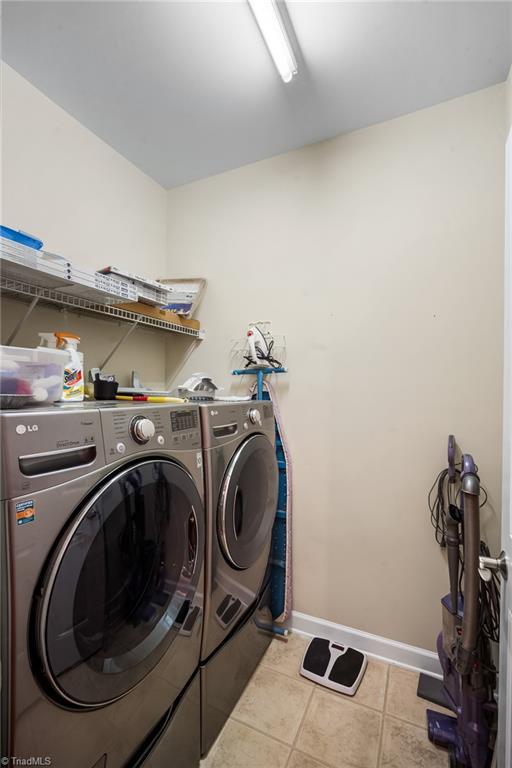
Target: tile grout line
x=415 y=723
x=296 y=676
x=322 y=762
x=262 y=733
x=371 y=709
x=301 y=723
x=233 y=715
x=330 y=693
x=275 y=738
x=409 y=722
x=381 y=734
x=349 y=699
x=317 y=686
x=292 y=746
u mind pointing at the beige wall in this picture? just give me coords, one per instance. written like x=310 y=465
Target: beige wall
x=380 y=256
x=87 y=202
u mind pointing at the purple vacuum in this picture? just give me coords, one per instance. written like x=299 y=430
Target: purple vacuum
x=470 y=623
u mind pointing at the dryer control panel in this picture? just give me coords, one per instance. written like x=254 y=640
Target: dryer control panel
x=223 y=422
x=130 y=429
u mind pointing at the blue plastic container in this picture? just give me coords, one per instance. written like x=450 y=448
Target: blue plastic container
x=21 y=237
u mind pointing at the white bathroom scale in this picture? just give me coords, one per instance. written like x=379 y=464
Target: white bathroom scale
x=335 y=666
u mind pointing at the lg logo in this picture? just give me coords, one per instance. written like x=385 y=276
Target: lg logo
x=21 y=428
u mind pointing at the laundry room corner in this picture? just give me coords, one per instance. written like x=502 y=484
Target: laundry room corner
x=310 y=238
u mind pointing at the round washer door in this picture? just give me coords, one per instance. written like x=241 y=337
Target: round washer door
x=119 y=584
x=248 y=502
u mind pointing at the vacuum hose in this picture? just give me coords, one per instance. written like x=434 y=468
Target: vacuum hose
x=452 y=548
x=470 y=488
x=452 y=533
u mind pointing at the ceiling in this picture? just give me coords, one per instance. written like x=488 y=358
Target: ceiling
x=187 y=89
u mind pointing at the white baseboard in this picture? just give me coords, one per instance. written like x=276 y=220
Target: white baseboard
x=391 y=651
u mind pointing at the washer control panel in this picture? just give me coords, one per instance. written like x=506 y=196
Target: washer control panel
x=184 y=425
x=184 y=419
x=42 y=447
x=130 y=429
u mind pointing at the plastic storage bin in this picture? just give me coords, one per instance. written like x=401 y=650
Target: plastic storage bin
x=21 y=237
x=30 y=376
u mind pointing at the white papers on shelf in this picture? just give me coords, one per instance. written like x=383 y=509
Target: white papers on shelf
x=108 y=286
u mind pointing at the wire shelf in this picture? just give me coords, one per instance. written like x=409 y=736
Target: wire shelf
x=28 y=292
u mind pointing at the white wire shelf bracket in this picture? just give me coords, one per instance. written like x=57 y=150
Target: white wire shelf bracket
x=38 y=294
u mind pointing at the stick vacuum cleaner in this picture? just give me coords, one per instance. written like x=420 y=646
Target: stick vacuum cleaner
x=470 y=622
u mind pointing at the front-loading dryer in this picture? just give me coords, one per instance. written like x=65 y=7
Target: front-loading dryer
x=241 y=489
x=102 y=585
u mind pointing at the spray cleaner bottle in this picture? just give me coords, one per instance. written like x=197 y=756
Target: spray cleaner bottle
x=73 y=386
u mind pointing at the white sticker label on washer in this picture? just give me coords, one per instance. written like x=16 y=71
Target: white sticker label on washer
x=199 y=457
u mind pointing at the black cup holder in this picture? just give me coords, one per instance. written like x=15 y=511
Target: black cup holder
x=105 y=389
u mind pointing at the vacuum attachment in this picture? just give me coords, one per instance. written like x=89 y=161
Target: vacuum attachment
x=334 y=666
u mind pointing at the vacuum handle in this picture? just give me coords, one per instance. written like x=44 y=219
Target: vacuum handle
x=470 y=489
x=452 y=474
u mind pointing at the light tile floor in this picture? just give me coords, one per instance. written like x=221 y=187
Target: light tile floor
x=286 y=721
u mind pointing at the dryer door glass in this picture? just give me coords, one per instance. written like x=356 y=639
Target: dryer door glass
x=121 y=584
x=248 y=502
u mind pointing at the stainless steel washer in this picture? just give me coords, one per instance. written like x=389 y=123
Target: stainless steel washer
x=102 y=574
x=241 y=479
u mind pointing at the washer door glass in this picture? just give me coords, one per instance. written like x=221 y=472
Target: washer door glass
x=248 y=502
x=120 y=584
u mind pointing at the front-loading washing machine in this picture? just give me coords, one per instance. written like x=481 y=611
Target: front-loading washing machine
x=102 y=573
x=241 y=489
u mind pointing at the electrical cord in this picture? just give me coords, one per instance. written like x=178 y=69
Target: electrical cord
x=268 y=358
x=437 y=504
x=443 y=499
x=442 y=495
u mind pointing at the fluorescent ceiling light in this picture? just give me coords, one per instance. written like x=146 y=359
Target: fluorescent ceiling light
x=272 y=28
